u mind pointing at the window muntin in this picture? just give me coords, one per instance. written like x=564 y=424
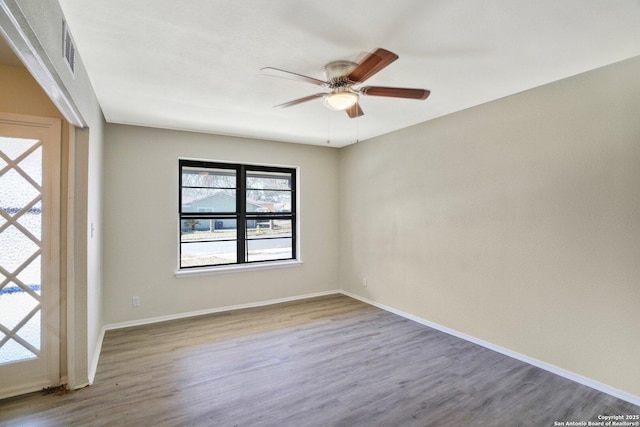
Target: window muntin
x=235 y=214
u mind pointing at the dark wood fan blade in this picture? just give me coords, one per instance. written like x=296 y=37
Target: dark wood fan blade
x=275 y=72
x=395 y=92
x=371 y=64
x=354 y=111
x=299 y=101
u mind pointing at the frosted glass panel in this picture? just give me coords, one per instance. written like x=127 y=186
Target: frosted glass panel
x=16 y=248
x=14 y=306
x=32 y=165
x=15 y=147
x=31 y=331
x=12 y=351
x=15 y=192
x=30 y=275
x=20 y=239
x=32 y=221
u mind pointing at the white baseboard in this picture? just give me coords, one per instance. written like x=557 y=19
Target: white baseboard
x=620 y=394
x=157 y=319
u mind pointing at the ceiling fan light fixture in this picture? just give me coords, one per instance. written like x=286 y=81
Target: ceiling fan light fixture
x=339 y=93
x=340 y=100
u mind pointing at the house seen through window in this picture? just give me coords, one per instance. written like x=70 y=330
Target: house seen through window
x=236 y=213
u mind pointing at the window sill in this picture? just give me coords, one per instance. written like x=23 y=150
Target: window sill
x=209 y=271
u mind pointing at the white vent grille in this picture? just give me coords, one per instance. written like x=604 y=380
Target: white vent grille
x=68 y=48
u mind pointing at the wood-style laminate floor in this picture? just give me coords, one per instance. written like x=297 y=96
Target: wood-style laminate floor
x=329 y=361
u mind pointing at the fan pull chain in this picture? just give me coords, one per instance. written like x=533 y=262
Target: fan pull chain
x=328 y=127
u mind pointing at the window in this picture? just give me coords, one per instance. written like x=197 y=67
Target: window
x=235 y=214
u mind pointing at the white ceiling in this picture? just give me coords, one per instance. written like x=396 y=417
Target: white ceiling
x=195 y=65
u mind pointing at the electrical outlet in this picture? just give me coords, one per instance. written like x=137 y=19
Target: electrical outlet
x=364 y=282
x=135 y=301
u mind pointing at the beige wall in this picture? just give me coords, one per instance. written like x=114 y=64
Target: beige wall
x=21 y=94
x=141 y=197
x=516 y=222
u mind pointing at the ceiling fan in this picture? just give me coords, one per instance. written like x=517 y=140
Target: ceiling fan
x=342 y=77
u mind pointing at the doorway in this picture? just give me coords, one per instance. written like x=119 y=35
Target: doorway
x=30 y=150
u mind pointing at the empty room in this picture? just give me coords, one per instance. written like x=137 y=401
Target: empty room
x=303 y=213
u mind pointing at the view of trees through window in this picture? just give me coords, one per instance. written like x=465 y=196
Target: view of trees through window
x=234 y=214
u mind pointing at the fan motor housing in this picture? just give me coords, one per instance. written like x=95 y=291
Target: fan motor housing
x=336 y=70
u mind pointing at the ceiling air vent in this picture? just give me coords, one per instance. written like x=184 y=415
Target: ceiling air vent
x=68 y=48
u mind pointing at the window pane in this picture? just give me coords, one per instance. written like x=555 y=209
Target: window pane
x=198 y=254
x=208 y=177
x=267 y=228
x=268 y=201
x=201 y=229
x=208 y=200
x=268 y=180
x=269 y=249
x=269 y=239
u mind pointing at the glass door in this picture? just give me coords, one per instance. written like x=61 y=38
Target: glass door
x=29 y=253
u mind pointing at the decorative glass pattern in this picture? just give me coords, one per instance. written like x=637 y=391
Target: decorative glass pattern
x=20 y=248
